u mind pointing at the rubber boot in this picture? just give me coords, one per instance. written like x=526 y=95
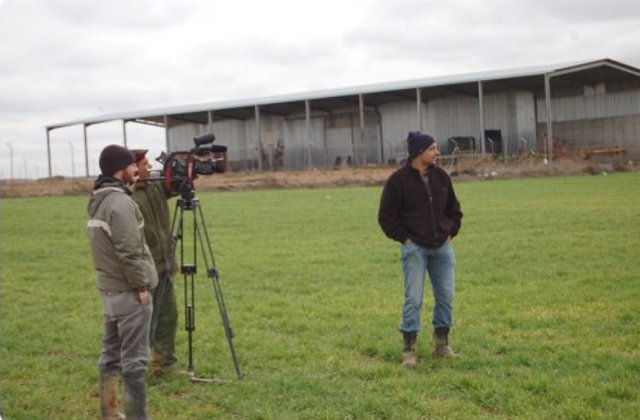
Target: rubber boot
x=134 y=387
x=409 y=356
x=441 y=344
x=162 y=365
x=109 y=396
x=158 y=363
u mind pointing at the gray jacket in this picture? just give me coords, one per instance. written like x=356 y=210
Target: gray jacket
x=115 y=229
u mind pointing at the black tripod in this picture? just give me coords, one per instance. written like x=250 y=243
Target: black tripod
x=189 y=202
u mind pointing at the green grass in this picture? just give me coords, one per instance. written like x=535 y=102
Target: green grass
x=546 y=313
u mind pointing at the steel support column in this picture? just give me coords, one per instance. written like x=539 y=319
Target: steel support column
x=363 y=146
x=481 y=115
x=548 y=113
x=86 y=150
x=258 y=137
x=124 y=132
x=49 y=152
x=166 y=132
x=419 y=108
x=307 y=120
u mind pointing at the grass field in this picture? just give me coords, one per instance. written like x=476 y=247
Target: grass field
x=547 y=310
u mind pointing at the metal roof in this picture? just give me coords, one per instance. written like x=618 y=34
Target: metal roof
x=567 y=75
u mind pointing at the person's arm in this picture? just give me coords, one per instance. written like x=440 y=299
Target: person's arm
x=389 y=213
x=453 y=211
x=129 y=244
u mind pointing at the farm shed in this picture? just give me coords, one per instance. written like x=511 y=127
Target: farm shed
x=587 y=106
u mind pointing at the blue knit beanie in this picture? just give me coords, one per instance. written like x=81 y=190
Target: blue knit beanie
x=418 y=142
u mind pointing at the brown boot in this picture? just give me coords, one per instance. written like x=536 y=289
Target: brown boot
x=161 y=365
x=109 y=396
x=409 y=356
x=441 y=344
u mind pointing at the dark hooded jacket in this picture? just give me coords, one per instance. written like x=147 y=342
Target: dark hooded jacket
x=115 y=230
x=424 y=209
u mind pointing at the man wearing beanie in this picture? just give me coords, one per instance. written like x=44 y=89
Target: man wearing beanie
x=151 y=198
x=419 y=209
x=125 y=275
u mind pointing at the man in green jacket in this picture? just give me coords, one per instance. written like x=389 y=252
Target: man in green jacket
x=151 y=198
x=125 y=273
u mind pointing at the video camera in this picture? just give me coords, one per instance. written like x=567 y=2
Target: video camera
x=180 y=168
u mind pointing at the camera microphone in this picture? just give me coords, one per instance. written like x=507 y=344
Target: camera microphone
x=204 y=139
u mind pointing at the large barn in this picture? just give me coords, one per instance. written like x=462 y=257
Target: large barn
x=547 y=109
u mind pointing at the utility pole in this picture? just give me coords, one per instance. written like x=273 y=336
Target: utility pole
x=73 y=162
x=10 y=158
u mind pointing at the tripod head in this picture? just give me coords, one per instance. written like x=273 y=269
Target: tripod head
x=187 y=193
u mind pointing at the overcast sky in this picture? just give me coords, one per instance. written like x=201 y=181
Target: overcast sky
x=63 y=60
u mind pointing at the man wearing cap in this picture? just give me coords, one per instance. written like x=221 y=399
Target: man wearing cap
x=125 y=275
x=419 y=209
x=151 y=198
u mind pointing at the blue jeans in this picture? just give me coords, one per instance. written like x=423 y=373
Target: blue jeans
x=440 y=263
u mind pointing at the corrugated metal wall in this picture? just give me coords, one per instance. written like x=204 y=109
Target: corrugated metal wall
x=398 y=119
x=512 y=113
x=334 y=140
x=300 y=149
x=597 y=118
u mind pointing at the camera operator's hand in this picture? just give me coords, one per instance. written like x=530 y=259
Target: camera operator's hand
x=144 y=296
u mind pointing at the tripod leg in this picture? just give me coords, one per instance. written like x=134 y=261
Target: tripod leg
x=208 y=256
x=213 y=274
x=188 y=271
x=189 y=317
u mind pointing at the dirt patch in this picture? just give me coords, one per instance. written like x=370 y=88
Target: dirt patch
x=223 y=182
x=461 y=170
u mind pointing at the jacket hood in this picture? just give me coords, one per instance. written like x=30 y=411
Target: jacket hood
x=102 y=181
x=103 y=186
